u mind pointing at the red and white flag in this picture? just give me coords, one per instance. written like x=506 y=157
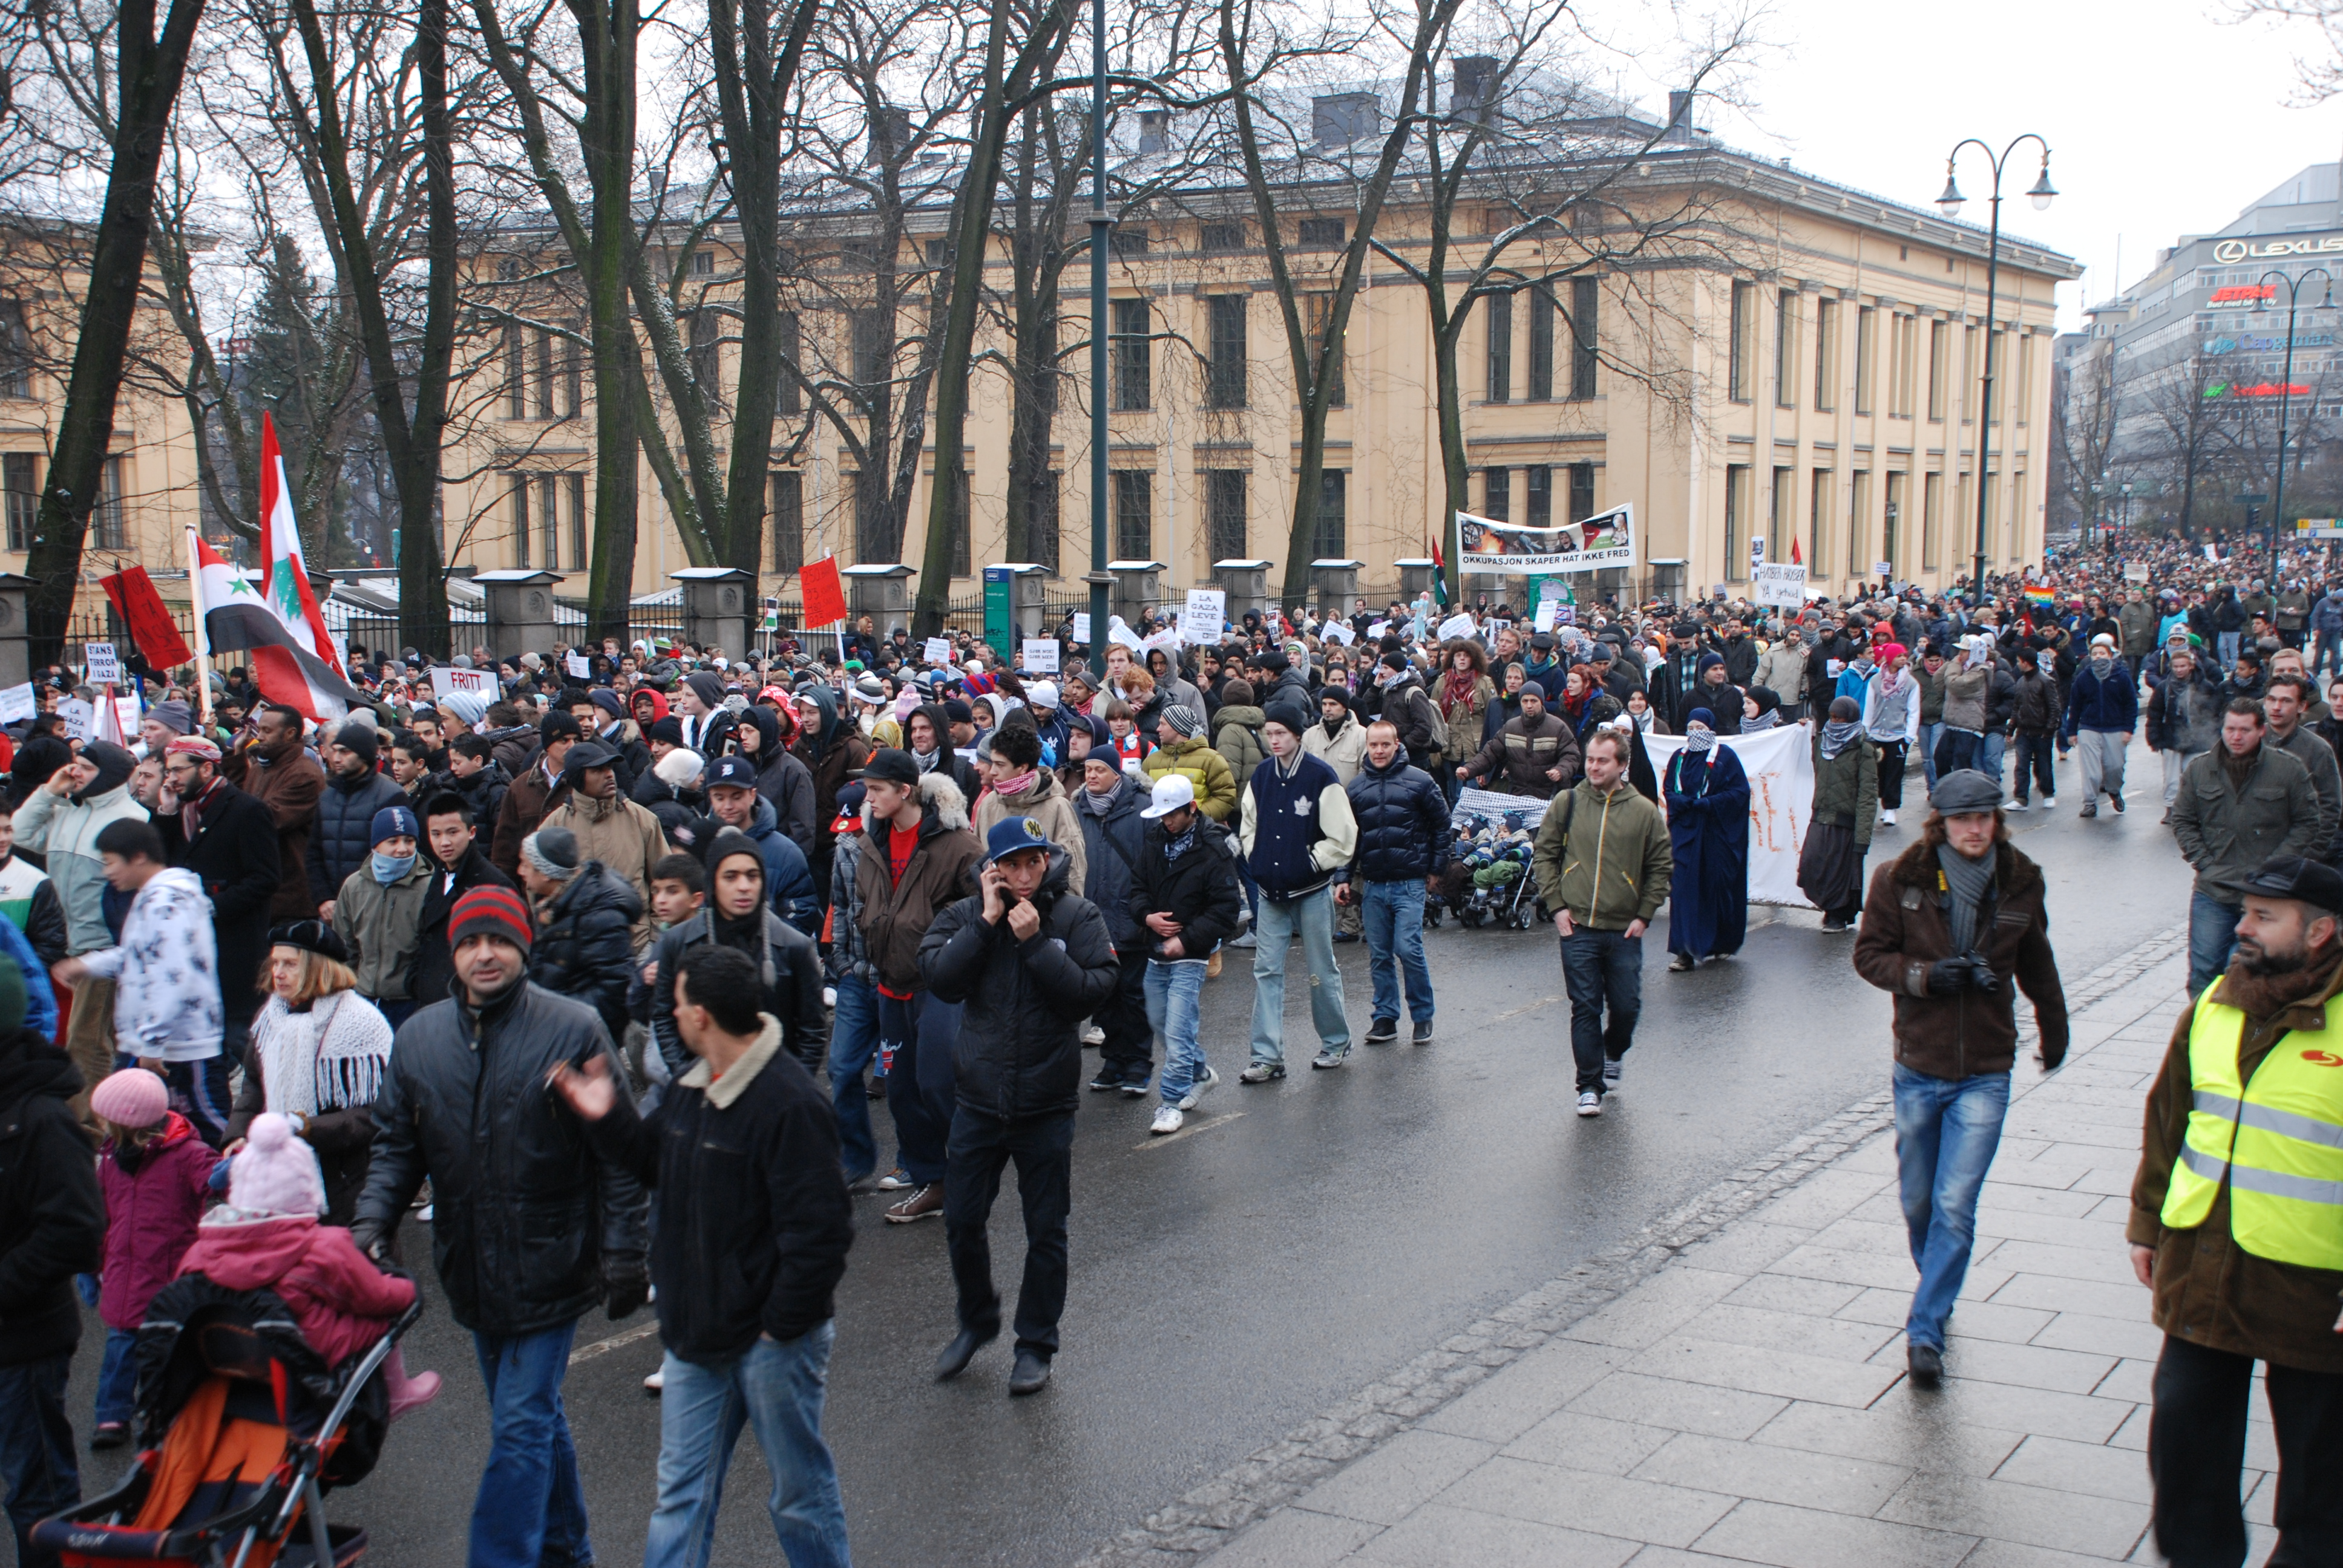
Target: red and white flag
x=283 y=663
x=285 y=580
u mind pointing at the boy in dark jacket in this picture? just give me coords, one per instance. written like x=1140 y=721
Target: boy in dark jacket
x=1186 y=898
x=753 y=1228
x=1028 y=961
x=1108 y=802
x=1403 y=846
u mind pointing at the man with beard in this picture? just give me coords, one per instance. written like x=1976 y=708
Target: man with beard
x=276 y=770
x=2235 y=1229
x=2240 y=805
x=1947 y=926
x=226 y=839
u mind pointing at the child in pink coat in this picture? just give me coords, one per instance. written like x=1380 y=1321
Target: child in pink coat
x=155 y=1172
x=267 y=1236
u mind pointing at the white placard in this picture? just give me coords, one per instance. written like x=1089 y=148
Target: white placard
x=2136 y=572
x=446 y=679
x=574 y=663
x=1882 y=568
x=1457 y=625
x=1758 y=550
x=78 y=716
x=1783 y=584
x=1118 y=631
x=1041 y=655
x=1083 y=627
x=1543 y=620
x=1377 y=630
x=103 y=667
x=1339 y=631
x=128 y=714
x=1780 y=764
x=17 y=704
x=1201 y=617
x=937 y=650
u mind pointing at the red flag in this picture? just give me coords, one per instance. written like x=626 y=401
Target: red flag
x=132 y=593
x=1795 y=559
x=825 y=596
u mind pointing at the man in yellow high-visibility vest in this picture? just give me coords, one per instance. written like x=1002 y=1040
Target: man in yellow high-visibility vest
x=2236 y=1226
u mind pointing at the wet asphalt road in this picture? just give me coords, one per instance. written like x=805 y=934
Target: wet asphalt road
x=1296 y=1241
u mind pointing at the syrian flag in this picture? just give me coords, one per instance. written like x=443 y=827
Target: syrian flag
x=284 y=579
x=282 y=665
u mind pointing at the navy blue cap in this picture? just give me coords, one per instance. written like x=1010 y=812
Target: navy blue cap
x=736 y=772
x=1014 y=833
x=393 y=821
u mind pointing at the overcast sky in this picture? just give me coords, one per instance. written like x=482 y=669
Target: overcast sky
x=2163 y=118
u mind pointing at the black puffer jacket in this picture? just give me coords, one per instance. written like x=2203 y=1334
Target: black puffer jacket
x=527 y=1214
x=785 y=955
x=434 y=970
x=1112 y=847
x=585 y=948
x=782 y=778
x=484 y=792
x=51 y=1217
x=676 y=811
x=344 y=835
x=1403 y=824
x=1200 y=889
x=1020 y=1050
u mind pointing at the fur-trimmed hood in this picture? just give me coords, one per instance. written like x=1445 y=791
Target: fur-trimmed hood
x=2013 y=872
x=939 y=793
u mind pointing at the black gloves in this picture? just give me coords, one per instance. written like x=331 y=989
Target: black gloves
x=1948 y=976
x=368 y=1241
x=625 y=1285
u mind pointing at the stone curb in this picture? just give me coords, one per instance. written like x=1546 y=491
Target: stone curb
x=1202 y=1519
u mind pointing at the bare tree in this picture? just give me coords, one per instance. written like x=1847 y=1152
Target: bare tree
x=2190 y=438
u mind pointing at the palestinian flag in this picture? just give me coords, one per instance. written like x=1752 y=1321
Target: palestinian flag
x=1438 y=576
x=234 y=617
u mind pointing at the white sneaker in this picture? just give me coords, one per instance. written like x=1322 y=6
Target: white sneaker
x=2049 y=803
x=1244 y=943
x=1888 y=818
x=2016 y=805
x=424 y=1214
x=1093 y=1035
x=1167 y=1120
x=1590 y=1103
x=1196 y=1089
x=655 y=1382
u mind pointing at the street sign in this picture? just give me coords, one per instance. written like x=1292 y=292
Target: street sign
x=2253 y=500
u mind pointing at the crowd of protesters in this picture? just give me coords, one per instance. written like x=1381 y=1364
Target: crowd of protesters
x=559 y=968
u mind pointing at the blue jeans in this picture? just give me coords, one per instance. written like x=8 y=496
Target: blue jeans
x=1989 y=753
x=531 y=1509
x=1312 y=915
x=1394 y=916
x=117 y=1377
x=777 y=1385
x=2228 y=642
x=853 y=1041
x=922 y=1086
x=37 y=1449
x=2212 y=938
x=1600 y=968
x=1946 y=1129
x=1929 y=735
x=1955 y=749
x=1176 y=992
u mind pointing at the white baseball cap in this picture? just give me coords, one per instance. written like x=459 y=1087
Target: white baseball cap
x=1172 y=791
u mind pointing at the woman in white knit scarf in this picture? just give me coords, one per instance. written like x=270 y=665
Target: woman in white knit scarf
x=319 y=1055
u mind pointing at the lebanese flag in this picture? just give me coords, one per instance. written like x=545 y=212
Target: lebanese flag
x=284 y=579
x=287 y=671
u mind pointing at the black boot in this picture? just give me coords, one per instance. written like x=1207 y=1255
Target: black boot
x=961 y=1352
x=1032 y=1370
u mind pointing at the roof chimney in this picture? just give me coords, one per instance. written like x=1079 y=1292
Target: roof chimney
x=1472 y=93
x=1679 y=127
x=1337 y=119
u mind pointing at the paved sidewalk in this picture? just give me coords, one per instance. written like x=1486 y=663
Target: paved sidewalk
x=1746 y=1400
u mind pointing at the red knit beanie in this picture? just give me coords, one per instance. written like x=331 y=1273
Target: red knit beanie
x=496 y=910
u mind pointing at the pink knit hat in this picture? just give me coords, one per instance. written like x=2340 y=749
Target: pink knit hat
x=133 y=1098
x=276 y=1172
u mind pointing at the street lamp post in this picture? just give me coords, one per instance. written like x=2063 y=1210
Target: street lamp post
x=1100 y=222
x=2286 y=394
x=1950 y=205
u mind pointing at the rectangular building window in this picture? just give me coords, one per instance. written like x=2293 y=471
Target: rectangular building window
x=516 y=372
x=580 y=555
x=20 y=484
x=1321 y=233
x=1826 y=355
x=2018 y=518
x=1321 y=310
x=874 y=347
x=1903 y=373
x=1582 y=491
x=1737 y=521
x=1541 y=314
x=1134 y=515
x=792 y=399
x=1858 y=526
x=1499 y=309
x=1225 y=375
x=1939 y=353
x=2022 y=349
x=520 y=520
x=1742 y=345
x=1497 y=491
x=1932 y=521
x=1334 y=531
x=1219 y=239
x=1132 y=378
x=550 y=494
x=1585 y=297
x=1895 y=522
x=573 y=370
x=1538 y=488
x=1994 y=399
x=1963 y=519
x=1786 y=349
x=1041 y=525
x=1128 y=244
x=1783 y=525
x=1818 y=501
x=1969 y=394
x=788 y=520
x=545 y=383
x=1866 y=358
x=108 y=530
x=15 y=350
x=1225 y=513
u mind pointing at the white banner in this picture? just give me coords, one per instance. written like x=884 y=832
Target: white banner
x=1040 y=655
x=1781 y=767
x=1783 y=584
x=445 y=679
x=1492 y=544
x=575 y=664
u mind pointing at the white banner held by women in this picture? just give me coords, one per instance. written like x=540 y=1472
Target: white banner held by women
x=1781 y=767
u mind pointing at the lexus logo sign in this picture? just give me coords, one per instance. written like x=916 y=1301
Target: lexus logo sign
x=2235 y=250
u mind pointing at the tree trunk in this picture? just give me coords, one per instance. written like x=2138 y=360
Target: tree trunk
x=608 y=29
x=149 y=72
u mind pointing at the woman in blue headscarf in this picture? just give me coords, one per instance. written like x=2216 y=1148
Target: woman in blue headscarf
x=1707 y=799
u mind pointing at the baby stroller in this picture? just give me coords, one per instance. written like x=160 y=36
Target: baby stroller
x=241 y=1430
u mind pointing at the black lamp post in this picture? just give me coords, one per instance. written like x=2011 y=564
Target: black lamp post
x=1950 y=205
x=2286 y=394
x=1100 y=222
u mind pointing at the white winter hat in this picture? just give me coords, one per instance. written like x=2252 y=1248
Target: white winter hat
x=679 y=768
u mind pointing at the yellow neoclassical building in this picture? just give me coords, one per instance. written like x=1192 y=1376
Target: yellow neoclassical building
x=1809 y=370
